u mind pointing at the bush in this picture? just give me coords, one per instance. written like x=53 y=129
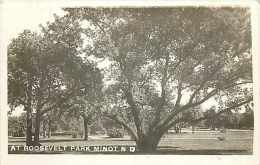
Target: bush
x=18 y=134
x=74 y=135
x=65 y=133
x=115 y=133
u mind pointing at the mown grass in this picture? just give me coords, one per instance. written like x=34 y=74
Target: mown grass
x=199 y=143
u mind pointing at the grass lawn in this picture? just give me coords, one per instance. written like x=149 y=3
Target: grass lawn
x=202 y=142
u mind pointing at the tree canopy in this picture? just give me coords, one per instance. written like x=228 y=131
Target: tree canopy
x=165 y=61
x=45 y=70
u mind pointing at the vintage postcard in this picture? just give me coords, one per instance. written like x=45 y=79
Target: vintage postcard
x=130 y=78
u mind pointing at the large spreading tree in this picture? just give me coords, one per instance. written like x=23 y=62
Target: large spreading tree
x=165 y=61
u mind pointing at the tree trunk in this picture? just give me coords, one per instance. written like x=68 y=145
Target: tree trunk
x=193 y=129
x=85 y=127
x=37 y=130
x=49 y=128
x=44 y=124
x=28 y=127
x=148 y=144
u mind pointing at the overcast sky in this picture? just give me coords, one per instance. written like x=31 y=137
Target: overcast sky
x=26 y=16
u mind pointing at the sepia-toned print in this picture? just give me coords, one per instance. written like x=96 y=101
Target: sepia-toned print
x=144 y=80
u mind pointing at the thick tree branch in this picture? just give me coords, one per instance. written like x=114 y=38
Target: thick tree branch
x=189 y=105
x=135 y=113
x=167 y=127
x=204 y=82
x=179 y=95
x=180 y=109
x=130 y=99
x=224 y=110
x=163 y=92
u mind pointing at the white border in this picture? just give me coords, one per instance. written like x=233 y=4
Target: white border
x=131 y=159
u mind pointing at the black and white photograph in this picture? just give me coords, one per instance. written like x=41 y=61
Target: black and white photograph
x=131 y=80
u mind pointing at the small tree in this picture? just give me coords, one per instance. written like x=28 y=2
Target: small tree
x=87 y=104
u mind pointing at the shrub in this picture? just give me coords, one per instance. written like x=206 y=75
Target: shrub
x=74 y=135
x=115 y=133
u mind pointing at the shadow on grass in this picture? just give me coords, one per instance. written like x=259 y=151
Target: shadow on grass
x=171 y=151
x=70 y=140
x=50 y=140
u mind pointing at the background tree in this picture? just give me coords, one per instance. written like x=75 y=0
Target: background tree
x=87 y=103
x=17 y=125
x=211 y=121
x=44 y=71
x=168 y=56
x=87 y=107
x=247 y=118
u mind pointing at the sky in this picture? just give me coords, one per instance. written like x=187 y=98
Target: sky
x=26 y=16
x=17 y=18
